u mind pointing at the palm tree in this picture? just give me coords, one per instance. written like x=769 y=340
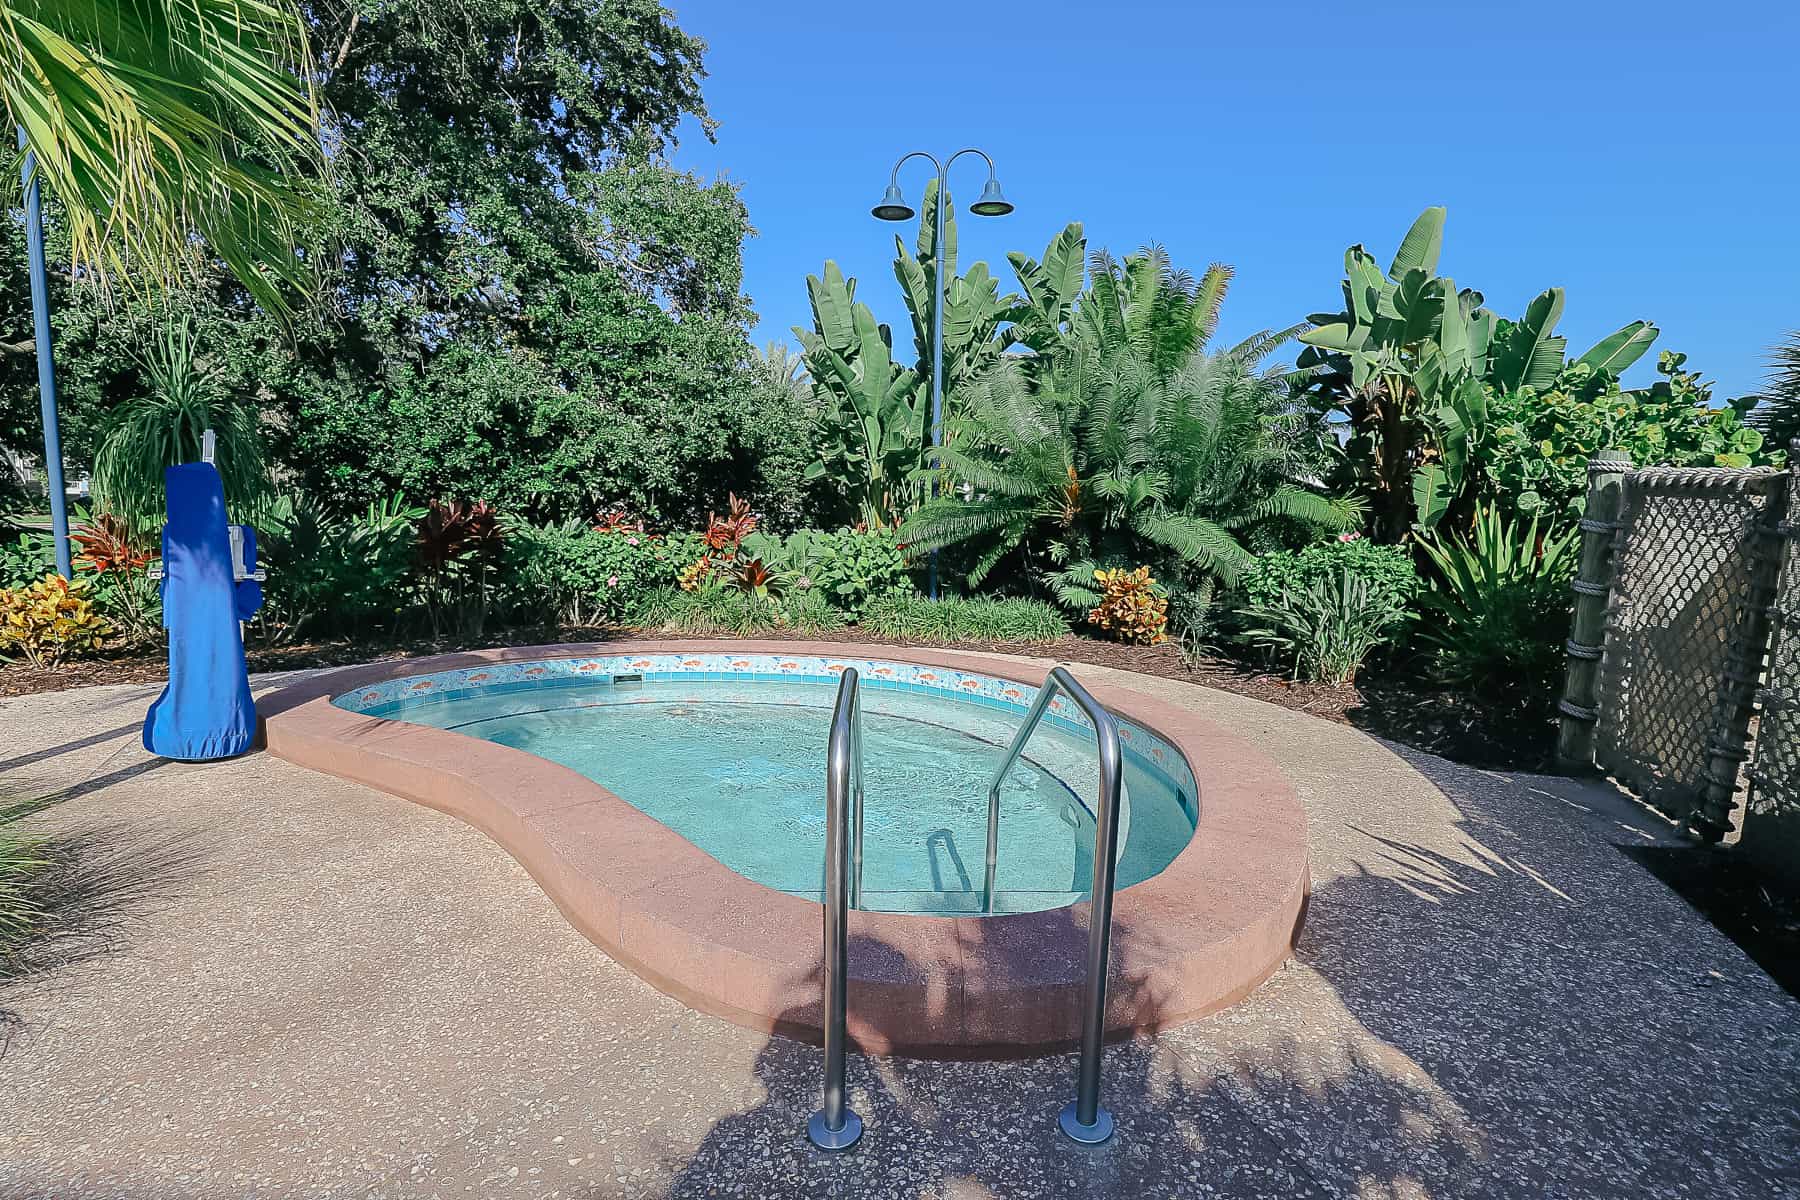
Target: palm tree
x=1778 y=414
x=157 y=124
x=781 y=367
x=1083 y=459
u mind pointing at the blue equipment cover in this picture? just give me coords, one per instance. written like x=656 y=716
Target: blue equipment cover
x=206 y=711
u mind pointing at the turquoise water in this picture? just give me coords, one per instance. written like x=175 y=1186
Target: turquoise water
x=738 y=769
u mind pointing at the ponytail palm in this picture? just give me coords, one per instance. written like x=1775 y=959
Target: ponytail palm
x=159 y=123
x=1080 y=459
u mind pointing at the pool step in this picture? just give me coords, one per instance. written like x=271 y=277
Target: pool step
x=954 y=904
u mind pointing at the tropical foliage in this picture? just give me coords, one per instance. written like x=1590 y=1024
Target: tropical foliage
x=1539 y=443
x=330 y=574
x=167 y=426
x=45 y=621
x=153 y=124
x=1410 y=363
x=1497 y=610
x=1323 y=629
x=1080 y=459
x=1779 y=414
x=1131 y=607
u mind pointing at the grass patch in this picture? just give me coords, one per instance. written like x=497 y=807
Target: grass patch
x=715 y=612
x=959 y=620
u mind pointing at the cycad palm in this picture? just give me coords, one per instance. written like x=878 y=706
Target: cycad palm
x=1779 y=413
x=154 y=122
x=1086 y=458
x=1146 y=305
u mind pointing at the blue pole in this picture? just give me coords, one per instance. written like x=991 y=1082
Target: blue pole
x=937 y=342
x=40 y=320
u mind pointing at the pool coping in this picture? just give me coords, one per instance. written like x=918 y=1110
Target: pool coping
x=1193 y=939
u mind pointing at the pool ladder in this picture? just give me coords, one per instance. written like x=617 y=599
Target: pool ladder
x=835 y=1126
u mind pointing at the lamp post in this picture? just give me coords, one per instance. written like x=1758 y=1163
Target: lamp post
x=893 y=207
x=40 y=320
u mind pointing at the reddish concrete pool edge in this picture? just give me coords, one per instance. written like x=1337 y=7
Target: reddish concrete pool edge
x=1199 y=936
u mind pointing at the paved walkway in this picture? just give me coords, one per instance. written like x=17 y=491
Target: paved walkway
x=339 y=994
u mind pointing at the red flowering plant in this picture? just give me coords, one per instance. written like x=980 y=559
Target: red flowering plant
x=458 y=546
x=119 y=563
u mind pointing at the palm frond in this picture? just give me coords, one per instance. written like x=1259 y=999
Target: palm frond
x=158 y=122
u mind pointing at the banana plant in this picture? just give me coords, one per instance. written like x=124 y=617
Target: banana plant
x=1410 y=361
x=973 y=306
x=1041 y=320
x=872 y=427
x=1399 y=361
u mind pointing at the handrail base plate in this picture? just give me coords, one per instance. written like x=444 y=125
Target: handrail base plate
x=833 y=1140
x=1088 y=1135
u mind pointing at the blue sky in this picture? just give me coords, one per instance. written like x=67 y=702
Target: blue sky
x=1645 y=157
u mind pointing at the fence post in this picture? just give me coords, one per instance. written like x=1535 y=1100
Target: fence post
x=1728 y=747
x=1580 y=706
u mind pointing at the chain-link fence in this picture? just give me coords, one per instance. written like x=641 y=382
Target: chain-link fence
x=1771 y=820
x=1682 y=576
x=1693 y=578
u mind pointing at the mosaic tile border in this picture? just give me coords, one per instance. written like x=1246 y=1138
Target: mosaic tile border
x=392 y=698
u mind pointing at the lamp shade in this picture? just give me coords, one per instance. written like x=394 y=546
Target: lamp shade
x=893 y=206
x=992 y=203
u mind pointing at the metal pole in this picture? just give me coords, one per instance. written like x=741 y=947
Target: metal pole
x=40 y=320
x=1580 y=706
x=1083 y=1120
x=937 y=341
x=835 y=1126
x=856 y=801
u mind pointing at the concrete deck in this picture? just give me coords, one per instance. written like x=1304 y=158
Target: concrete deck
x=344 y=994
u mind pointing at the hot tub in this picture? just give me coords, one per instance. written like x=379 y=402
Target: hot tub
x=670 y=798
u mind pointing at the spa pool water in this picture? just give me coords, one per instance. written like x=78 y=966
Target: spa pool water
x=737 y=768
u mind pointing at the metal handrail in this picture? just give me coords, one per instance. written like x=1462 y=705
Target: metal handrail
x=1082 y=1119
x=835 y=1126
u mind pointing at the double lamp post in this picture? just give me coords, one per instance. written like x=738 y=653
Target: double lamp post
x=893 y=207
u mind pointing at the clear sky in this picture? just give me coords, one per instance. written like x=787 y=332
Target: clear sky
x=1643 y=156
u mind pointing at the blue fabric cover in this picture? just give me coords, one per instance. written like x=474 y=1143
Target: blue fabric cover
x=206 y=711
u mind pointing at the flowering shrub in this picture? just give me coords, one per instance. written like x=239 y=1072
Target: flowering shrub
x=1132 y=608
x=49 y=620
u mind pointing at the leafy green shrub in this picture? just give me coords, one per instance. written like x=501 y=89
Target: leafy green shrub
x=1387 y=570
x=1325 y=626
x=850 y=567
x=1539 y=444
x=581 y=575
x=328 y=574
x=26 y=558
x=955 y=620
x=1497 y=611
